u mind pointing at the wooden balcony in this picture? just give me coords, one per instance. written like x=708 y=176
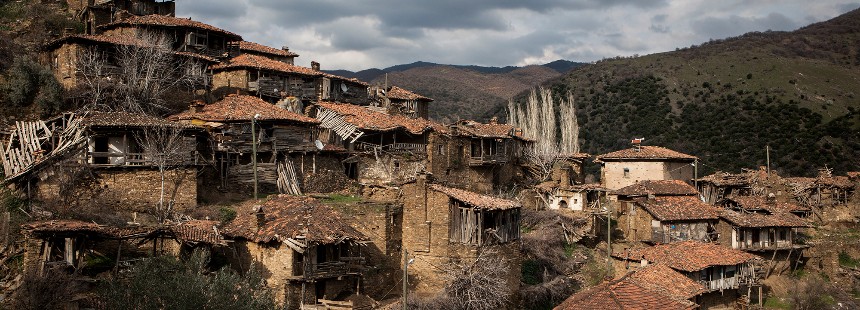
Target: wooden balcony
x=392 y=148
x=495 y=159
x=770 y=246
x=332 y=269
x=118 y=159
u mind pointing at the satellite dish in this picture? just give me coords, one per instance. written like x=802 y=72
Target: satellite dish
x=343 y=87
x=319 y=144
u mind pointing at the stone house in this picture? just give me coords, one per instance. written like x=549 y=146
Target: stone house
x=641 y=162
x=442 y=225
x=184 y=34
x=70 y=244
x=287 y=153
x=65 y=58
x=384 y=149
x=94 y=13
x=482 y=158
x=290 y=86
x=762 y=226
x=825 y=190
x=244 y=47
x=305 y=250
x=728 y=275
x=663 y=212
x=404 y=102
x=653 y=287
x=108 y=159
x=567 y=189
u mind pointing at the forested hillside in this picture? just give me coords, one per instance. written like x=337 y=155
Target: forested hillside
x=726 y=100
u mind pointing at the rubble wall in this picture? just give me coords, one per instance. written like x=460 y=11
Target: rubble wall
x=382 y=224
x=385 y=169
x=275 y=262
x=135 y=190
x=613 y=172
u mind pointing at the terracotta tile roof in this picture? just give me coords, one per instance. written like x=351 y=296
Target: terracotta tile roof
x=399 y=93
x=854 y=175
x=730 y=179
x=646 y=152
x=690 y=256
x=125 y=119
x=661 y=278
x=263 y=63
x=54 y=227
x=292 y=217
x=476 y=129
x=679 y=208
x=112 y=39
x=798 y=181
x=198 y=231
x=657 y=188
x=241 y=108
x=170 y=21
x=758 y=220
x=623 y=294
x=752 y=203
x=338 y=77
x=366 y=119
x=198 y=56
x=259 y=48
x=835 y=181
x=476 y=200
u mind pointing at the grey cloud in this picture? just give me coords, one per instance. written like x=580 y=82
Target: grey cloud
x=847 y=7
x=716 y=28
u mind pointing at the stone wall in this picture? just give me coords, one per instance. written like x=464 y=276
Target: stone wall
x=448 y=162
x=274 y=261
x=132 y=190
x=613 y=176
x=426 y=238
x=389 y=169
x=381 y=222
x=634 y=222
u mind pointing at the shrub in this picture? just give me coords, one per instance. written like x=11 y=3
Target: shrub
x=30 y=83
x=168 y=283
x=53 y=290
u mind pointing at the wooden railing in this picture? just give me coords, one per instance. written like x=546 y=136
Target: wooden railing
x=763 y=246
x=721 y=284
x=332 y=269
x=488 y=159
x=133 y=159
x=406 y=147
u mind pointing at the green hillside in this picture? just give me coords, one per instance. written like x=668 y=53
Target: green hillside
x=726 y=100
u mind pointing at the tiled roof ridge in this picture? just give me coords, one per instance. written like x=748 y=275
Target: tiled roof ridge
x=475 y=199
x=260 y=62
x=260 y=48
x=645 y=152
x=167 y=21
x=230 y=108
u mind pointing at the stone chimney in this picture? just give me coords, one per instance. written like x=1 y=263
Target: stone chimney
x=494 y=120
x=260 y=215
x=637 y=144
x=285 y=48
x=771 y=198
x=197 y=106
x=315 y=65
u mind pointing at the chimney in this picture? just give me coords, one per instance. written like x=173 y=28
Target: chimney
x=197 y=106
x=771 y=198
x=315 y=65
x=257 y=210
x=637 y=144
x=286 y=49
x=494 y=120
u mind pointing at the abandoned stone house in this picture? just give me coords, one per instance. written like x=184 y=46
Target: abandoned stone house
x=825 y=190
x=404 y=102
x=244 y=47
x=641 y=162
x=75 y=245
x=305 y=250
x=655 y=286
x=483 y=158
x=94 y=13
x=384 y=149
x=750 y=182
x=762 y=226
x=184 y=34
x=292 y=87
x=664 y=212
x=728 y=275
x=566 y=187
x=442 y=225
x=288 y=159
x=108 y=159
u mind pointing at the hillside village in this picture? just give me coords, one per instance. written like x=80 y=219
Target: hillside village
x=188 y=143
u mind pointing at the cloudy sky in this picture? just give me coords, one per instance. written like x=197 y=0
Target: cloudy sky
x=355 y=35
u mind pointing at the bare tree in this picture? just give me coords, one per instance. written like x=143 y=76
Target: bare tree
x=479 y=284
x=136 y=75
x=165 y=148
x=538 y=122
